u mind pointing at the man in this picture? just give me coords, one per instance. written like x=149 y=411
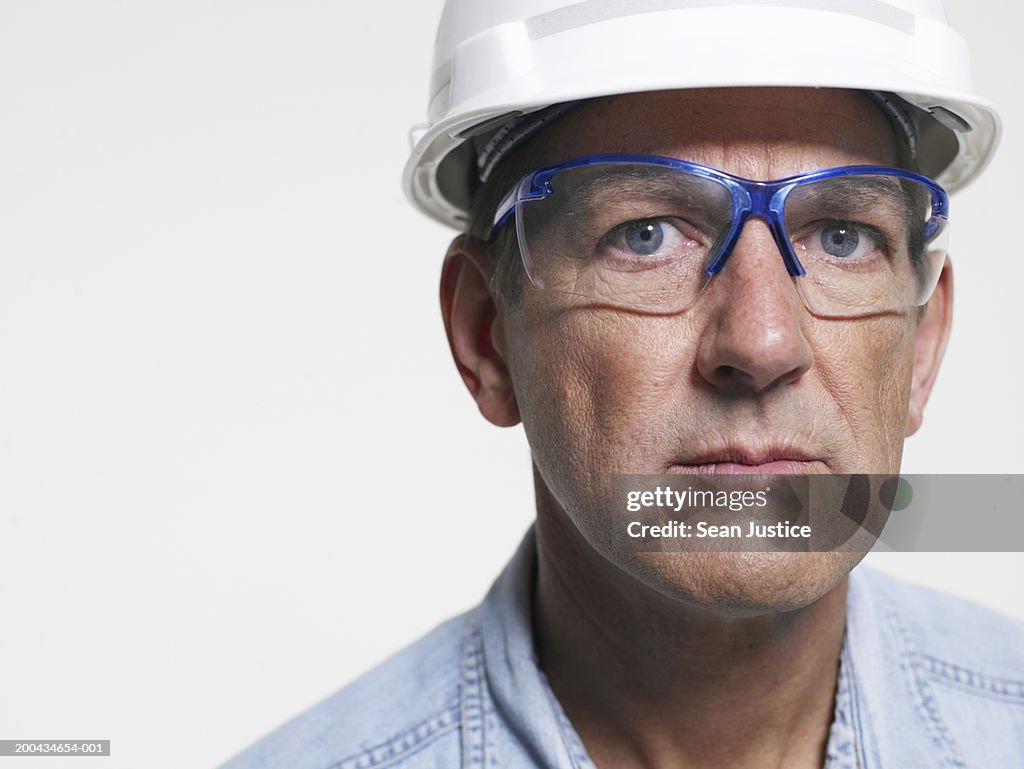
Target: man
x=635 y=288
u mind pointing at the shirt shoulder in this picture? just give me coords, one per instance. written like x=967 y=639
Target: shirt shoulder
x=963 y=665
x=946 y=628
x=389 y=716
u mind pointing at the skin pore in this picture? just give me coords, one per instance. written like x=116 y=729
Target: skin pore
x=695 y=659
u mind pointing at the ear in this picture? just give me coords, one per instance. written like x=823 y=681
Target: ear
x=472 y=320
x=932 y=335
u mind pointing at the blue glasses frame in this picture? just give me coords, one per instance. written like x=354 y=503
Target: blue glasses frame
x=762 y=199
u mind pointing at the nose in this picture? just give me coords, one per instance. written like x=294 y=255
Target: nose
x=753 y=339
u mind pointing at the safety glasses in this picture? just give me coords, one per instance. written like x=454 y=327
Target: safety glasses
x=649 y=233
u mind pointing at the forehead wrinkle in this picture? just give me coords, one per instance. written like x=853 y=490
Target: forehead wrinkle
x=768 y=132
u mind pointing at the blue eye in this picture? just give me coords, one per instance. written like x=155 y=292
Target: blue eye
x=648 y=243
x=839 y=239
x=644 y=237
x=842 y=240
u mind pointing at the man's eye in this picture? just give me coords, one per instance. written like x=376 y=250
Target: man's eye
x=644 y=238
x=843 y=240
x=648 y=237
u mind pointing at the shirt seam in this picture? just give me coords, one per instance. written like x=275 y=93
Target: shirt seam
x=966 y=679
x=926 y=705
x=471 y=702
x=403 y=744
x=853 y=700
x=570 y=739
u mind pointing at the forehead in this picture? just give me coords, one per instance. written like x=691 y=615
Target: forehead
x=760 y=133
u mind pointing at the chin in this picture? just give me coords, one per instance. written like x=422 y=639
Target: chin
x=743 y=584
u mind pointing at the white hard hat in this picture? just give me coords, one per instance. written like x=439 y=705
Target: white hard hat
x=495 y=60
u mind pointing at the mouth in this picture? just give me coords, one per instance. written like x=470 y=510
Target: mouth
x=738 y=460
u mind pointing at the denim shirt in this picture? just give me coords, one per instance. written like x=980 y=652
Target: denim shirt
x=925 y=681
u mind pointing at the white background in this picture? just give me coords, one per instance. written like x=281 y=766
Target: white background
x=237 y=466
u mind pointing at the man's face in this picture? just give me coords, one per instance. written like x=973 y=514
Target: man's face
x=746 y=376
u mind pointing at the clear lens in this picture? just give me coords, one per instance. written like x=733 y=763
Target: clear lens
x=642 y=236
x=628 y=234
x=868 y=243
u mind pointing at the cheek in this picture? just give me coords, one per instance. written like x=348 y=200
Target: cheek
x=602 y=392
x=865 y=367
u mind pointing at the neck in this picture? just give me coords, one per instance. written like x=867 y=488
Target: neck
x=649 y=680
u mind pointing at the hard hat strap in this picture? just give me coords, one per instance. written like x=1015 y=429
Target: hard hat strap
x=514 y=133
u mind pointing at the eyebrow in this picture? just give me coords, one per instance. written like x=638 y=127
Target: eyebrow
x=635 y=182
x=849 y=194
x=854 y=193
x=859 y=193
x=659 y=183
x=673 y=188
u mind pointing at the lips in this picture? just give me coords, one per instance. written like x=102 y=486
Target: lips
x=774 y=467
x=741 y=460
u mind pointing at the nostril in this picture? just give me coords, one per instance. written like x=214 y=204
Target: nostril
x=732 y=375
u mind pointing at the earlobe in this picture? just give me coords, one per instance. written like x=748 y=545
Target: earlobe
x=930 y=345
x=472 y=321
